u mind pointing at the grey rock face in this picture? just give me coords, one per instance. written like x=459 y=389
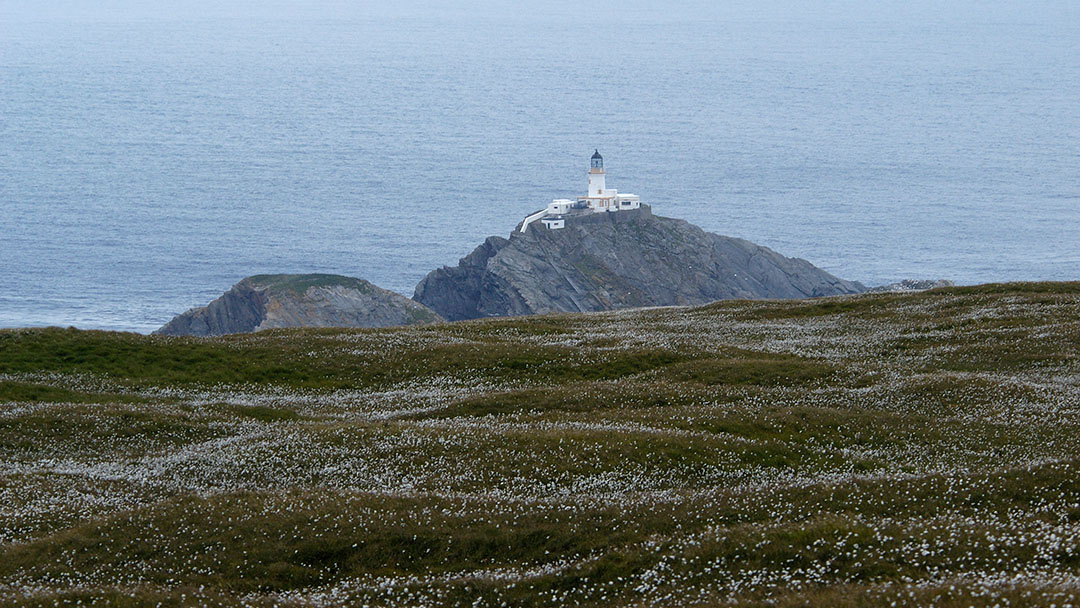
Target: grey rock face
x=299 y=300
x=616 y=260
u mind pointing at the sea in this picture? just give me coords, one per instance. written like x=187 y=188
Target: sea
x=152 y=154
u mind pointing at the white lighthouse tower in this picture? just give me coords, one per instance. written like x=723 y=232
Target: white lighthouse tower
x=596 y=175
x=598 y=197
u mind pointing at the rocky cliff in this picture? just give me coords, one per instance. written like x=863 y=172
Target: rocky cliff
x=616 y=260
x=299 y=300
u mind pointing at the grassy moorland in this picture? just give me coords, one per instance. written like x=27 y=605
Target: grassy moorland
x=880 y=450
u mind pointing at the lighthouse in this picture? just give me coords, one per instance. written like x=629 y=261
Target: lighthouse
x=596 y=175
x=597 y=199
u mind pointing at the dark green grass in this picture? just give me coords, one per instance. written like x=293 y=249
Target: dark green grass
x=942 y=421
x=300 y=283
x=581 y=397
x=313 y=361
x=151 y=360
x=13 y=391
x=673 y=380
x=749 y=368
x=264 y=413
x=293 y=541
x=97 y=431
x=884 y=305
x=247 y=542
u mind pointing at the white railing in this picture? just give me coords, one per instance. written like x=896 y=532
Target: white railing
x=532 y=218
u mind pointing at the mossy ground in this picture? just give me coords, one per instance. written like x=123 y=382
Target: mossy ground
x=918 y=449
x=300 y=283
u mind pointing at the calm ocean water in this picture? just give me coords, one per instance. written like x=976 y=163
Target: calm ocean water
x=150 y=157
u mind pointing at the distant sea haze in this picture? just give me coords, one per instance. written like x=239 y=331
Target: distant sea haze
x=149 y=160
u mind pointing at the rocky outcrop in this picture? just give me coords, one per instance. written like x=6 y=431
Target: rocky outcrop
x=616 y=260
x=911 y=285
x=299 y=300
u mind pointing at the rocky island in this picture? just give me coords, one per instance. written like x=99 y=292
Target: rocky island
x=299 y=300
x=603 y=251
x=597 y=262
x=608 y=261
x=606 y=251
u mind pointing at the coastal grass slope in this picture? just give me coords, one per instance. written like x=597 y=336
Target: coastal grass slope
x=873 y=450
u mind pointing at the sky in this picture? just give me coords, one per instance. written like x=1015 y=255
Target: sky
x=12 y=11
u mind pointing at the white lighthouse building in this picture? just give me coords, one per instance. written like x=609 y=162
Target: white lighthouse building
x=597 y=179
x=598 y=199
